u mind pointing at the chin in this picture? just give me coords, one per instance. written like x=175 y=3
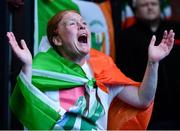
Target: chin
x=152 y=17
x=85 y=52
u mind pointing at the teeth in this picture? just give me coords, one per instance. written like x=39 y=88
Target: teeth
x=83 y=35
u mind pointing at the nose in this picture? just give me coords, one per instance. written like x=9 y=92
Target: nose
x=150 y=5
x=81 y=26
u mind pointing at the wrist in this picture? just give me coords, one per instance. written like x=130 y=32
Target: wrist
x=27 y=68
x=153 y=63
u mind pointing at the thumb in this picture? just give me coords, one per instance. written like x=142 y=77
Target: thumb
x=153 y=40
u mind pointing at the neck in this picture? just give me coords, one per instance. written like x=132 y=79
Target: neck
x=154 y=25
x=80 y=60
x=76 y=58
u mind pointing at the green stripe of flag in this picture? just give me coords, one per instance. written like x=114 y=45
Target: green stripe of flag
x=52 y=61
x=51 y=8
x=30 y=110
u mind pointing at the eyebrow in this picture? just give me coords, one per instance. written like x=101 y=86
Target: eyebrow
x=74 y=19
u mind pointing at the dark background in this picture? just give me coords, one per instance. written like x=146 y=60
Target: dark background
x=18 y=16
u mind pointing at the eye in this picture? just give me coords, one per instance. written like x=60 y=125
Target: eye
x=84 y=23
x=72 y=23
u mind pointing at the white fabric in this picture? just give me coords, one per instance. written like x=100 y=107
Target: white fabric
x=106 y=99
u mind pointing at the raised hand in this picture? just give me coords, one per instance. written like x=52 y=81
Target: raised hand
x=22 y=53
x=157 y=53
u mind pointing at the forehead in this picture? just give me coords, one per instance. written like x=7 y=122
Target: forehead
x=71 y=15
x=139 y=2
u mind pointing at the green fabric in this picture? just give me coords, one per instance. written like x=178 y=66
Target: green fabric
x=70 y=122
x=97 y=40
x=51 y=61
x=30 y=110
x=87 y=126
x=51 y=8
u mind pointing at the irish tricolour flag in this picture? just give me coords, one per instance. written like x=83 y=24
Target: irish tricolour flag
x=45 y=9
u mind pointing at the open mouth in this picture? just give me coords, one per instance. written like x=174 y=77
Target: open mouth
x=82 y=38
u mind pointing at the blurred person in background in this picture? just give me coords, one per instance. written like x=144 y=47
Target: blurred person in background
x=131 y=58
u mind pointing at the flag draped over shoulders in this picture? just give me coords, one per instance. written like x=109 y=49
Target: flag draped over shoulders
x=121 y=115
x=53 y=72
x=106 y=71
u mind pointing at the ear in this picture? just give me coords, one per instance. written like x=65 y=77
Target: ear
x=57 y=40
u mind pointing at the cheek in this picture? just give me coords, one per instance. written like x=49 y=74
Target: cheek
x=68 y=31
x=71 y=33
x=142 y=12
x=157 y=10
